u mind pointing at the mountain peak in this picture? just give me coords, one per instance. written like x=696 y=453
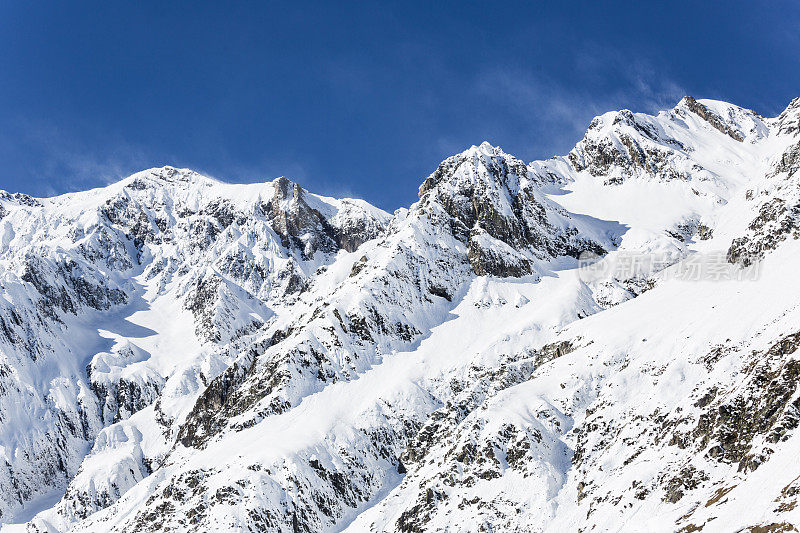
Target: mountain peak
x=286 y=189
x=168 y=175
x=483 y=167
x=485 y=149
x=704 y=109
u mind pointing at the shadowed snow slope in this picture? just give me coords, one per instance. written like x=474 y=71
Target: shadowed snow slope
x=177 y=353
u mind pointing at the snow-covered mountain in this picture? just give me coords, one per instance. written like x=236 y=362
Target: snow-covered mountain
x=602 y=341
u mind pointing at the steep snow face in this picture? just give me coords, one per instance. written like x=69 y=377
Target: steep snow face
x=108 y=294
x=256 y=357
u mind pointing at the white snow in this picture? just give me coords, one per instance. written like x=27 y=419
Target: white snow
x=557 y=402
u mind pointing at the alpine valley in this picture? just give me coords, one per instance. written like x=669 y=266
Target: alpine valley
x=182 y=354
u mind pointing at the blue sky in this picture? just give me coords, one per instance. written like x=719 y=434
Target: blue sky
x=359 y=99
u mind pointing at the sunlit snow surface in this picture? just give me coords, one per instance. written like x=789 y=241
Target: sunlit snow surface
x=406 y=393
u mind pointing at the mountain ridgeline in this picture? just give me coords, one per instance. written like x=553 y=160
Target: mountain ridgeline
x=182 y=354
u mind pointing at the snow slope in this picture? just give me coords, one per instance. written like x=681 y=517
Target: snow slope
x=601 y=341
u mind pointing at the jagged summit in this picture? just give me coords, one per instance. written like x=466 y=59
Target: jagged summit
x=170 y=174
x=487 y=148
x=622 y=145
x=481 y=166
x=733 y=121
x=491 y=201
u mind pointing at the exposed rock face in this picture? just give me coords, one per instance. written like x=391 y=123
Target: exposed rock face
x=181 y=354
x=121 y=387
x=789 y=120
x=778 y=215
x=306 y=229
x=740 y=428
x=468 y=444
x=789 y=162
x=775 y=222
x=489 y=200
x=298 y=225
x=712 y=118
x=623 y=144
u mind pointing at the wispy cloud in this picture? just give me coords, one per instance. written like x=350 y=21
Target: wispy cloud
x=62 y=164
x=647 y=87
x=558 y=111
